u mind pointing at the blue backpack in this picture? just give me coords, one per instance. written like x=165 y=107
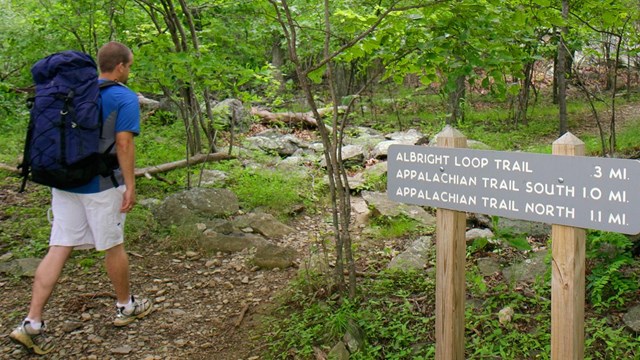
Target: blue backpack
x=65 y=127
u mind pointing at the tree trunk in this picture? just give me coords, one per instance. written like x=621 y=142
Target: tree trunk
x=456 y=97
x=523 y=95
x=277 y=60
x=561 y=72
x=627 y=95
x=341 y=80
x=609 y=62
x=554 y=95
x=612 y=127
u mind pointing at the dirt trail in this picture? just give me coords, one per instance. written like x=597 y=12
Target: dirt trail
x=207 y=307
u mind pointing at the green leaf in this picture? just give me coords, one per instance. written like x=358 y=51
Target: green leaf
x=543 y=3
x=316 y=75
x=519 y=243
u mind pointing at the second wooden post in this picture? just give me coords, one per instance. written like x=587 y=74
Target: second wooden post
x=567 y=277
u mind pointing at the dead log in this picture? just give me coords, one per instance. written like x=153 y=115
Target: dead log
x=290 y=118
x=293 y=118
x=148 y=103
x=196 y=159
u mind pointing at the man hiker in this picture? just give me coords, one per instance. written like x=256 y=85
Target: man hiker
x=93 y=215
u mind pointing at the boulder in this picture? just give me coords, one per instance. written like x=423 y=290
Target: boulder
x=339 y=352
x=195 y=205
x=264 y=224
x=528 y=270
x=354 y=337
x=213 y=177
x=20 y=267
x=409 y=137
x=415 y=257
x=231 y=111
x=229 y=243
x=273 y=142
x=352 y=155
x=632 y=319
x=271 y=256
x=488 y=266
x=385 y=207
x=476 y=233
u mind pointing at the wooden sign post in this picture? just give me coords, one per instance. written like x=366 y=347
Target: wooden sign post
x=568 y=276
x=450 y=274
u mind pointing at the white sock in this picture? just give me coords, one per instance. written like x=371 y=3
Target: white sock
x=128 y=307
x=35 y=325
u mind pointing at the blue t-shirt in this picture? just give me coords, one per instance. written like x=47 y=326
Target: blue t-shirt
x=121 y=112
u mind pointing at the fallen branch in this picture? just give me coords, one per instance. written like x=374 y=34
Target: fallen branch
x=196 y=159
x=306 y=118
x=158 y=177
x=243 y=312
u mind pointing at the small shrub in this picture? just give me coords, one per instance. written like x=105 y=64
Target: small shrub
x=518 y=241
x=610 y=283
x=374 y=182
x=604 y=341
x=394 y=227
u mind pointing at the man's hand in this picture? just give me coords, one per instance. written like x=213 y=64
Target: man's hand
x=128 y=200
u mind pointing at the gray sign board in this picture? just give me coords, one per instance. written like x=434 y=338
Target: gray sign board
x=578 y=191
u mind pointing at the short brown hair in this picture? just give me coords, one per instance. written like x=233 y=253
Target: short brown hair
x=111 y=54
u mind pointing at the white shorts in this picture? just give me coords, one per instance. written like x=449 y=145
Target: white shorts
x=85 y=221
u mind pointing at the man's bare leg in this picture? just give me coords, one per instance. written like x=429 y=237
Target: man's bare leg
x=47 y=275
x=117 y=264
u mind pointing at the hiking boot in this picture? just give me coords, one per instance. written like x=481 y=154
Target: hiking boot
x=141 y=308
x=34 y=341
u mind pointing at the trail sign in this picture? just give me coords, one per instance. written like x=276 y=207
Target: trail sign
x=579 y=191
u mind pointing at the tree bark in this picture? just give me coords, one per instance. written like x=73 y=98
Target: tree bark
x=277 y=60
x=561 y=72
x=456 y=112
x=523 y=96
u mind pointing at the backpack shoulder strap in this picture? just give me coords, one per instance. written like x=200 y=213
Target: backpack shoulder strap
x=107 y=83
x=105 y=154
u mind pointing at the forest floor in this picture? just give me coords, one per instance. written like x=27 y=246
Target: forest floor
x=206 y=306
